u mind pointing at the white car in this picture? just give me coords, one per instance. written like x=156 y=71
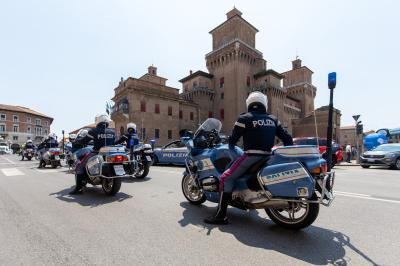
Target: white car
x=4 y=150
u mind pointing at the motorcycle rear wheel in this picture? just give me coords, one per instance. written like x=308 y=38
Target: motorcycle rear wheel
x=289 y=221
x=111 y=186
x=143 y=172
x=191 y=192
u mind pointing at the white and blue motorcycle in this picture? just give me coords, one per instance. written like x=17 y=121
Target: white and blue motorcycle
x=289 y=185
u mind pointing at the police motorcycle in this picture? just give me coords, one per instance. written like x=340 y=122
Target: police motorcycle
x=51 y=157
x=28 y=154
x=143 y=155
x=289 y=185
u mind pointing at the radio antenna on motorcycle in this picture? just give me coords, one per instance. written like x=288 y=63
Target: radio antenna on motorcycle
x=315 y=118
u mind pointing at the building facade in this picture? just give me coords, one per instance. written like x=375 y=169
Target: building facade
x=18 y=124
x=235 y=69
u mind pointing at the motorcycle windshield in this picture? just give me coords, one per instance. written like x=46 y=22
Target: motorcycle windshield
x=209 y=125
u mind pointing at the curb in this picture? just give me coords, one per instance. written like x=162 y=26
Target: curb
x=348 y=164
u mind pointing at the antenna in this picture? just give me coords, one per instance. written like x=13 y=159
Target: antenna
x=315 y=119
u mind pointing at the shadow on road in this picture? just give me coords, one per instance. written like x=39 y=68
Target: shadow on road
x=314 y=245
x=136 y=180
x=92 y=197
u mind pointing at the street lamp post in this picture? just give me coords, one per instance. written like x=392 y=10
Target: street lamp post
x=331 y=85
x=356 y=117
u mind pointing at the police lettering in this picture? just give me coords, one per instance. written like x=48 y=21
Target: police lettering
x=105 y=136
x=263 y=123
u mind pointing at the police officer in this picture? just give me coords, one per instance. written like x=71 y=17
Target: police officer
x=76 y=142
x=258 y=129
x=28 y=145
x=101 y=136
x=49 y=142
x=130 y=137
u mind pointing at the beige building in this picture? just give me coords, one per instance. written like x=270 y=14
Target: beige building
x=18 y=124
x=348 y=135
x=235 y=68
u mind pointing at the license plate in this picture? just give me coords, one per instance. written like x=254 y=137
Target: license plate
x=371 y=160
x=57 y=157
x=119 y=170
x=148 y=158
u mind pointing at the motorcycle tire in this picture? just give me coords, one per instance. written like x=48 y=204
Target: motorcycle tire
x=54 y=164
x=29 y=158
x=111 y=189
x=186 y=192
x=307 y=220
x=144 y=173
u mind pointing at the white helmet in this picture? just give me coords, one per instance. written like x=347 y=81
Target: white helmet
x=82 y=133
x=72 y=137
x=29 y=141
x=257 y=97
x=102 y=118
x=131 y=125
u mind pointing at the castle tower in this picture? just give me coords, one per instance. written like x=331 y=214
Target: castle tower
x=298 y=83
x=233 y=62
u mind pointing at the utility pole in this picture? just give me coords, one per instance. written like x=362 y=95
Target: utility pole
x=356 y=117
x=331 y=85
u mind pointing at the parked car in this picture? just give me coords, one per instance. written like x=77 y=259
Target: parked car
x=5 y=150
x=172 y=153
x=383 y=155
x=337 y=154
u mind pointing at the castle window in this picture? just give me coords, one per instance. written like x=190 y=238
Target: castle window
x=157 y=108
x=194 y=84
x=156 y=133
x=222 y=96
x=221 y=82
x=210 y=114
x=169 y=134
x=191 y=116
x=170 y=110
x=248 y=81
x=222 y=114
x=186 y=88
x=180 y=114
x=143 y=106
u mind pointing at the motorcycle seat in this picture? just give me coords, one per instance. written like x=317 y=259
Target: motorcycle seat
x=257 y=166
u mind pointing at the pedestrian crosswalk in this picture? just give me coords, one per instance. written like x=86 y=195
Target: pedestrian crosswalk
x=12 y=172
x=25 y=171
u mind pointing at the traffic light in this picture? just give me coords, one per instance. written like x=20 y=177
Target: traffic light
x=360 y=128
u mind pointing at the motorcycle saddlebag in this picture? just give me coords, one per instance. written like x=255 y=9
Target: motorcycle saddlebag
x=288 y=180
x=93 y=165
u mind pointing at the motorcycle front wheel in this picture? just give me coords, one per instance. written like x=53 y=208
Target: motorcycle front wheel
x=297 y=216
x=111 y=186
x=191 y=191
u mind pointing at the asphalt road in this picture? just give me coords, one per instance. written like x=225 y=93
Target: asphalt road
x=149 y=222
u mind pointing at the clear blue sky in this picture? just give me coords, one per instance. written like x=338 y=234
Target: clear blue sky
x=64 y=58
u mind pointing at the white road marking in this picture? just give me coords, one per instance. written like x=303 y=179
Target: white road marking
x=49 y=170
x=5 y=158
x=166 y=171
x=11 y=172
x=352 y=194
x=368 y=198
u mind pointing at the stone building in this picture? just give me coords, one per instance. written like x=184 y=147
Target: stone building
x=158 y=110
x=348 y=135
x=18 y=124
x=235 y=68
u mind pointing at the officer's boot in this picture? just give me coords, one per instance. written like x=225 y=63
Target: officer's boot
x=78 y=187
x=220 y=217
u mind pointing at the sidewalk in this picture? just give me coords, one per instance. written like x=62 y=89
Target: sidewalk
x=352 y=163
